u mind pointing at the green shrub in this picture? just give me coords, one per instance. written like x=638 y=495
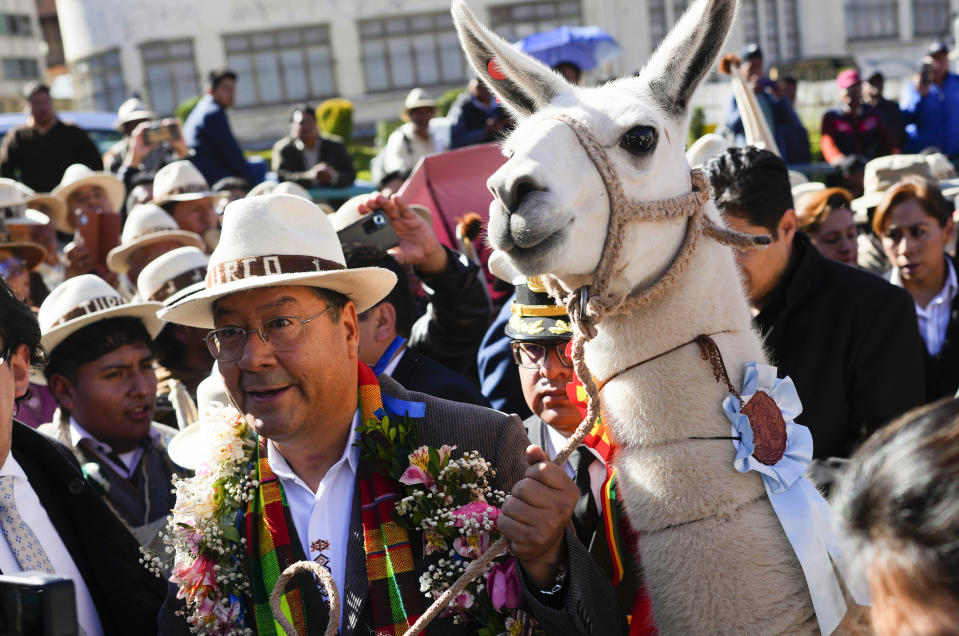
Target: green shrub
x=335 y=117
x=444 y=101
x=186 y=107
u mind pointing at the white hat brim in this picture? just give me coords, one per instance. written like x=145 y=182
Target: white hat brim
x=147 y=312
x=114 y=188
x=190 y=448
x=183 y=293
x=188 y=196
x=118 y=259
x=58 y=213
x=365 y=286
x=136 y=115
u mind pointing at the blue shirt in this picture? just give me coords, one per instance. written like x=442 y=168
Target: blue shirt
x=932 y=120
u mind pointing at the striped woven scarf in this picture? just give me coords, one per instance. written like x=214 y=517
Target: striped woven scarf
x=271 y=545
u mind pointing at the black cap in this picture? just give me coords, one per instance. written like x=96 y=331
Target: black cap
x=876 y=78
x=752 y=50
x=536 y=316
x=936 y=47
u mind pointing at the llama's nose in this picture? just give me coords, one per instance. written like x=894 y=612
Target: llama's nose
x=513 y=192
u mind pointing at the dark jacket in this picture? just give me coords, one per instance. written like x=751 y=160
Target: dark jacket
x=469 y=122
x=850 y=342
x=418 y=372
x=40 y=159
x=892 y=117
x=597 y=546
x=217 y=153
x=289 y=165
x=498 y=374
x=126 y=596
x=864 y=134
x=457 y=314
x=590 y=605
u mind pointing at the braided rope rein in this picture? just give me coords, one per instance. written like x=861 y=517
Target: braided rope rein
x=587 y=306
x=329 y=585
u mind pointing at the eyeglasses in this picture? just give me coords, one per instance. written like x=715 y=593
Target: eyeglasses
x=11 y=267
x=282 y=333
x=532 y=355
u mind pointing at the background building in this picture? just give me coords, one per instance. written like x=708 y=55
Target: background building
x=21 y=50
x=373 y=51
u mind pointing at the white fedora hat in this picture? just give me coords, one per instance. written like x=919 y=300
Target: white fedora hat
x=132 y=110
x=13 y=201
x=284 y=187
x=274 y=240
x=417 y=98
x=171 y=276
x=147 y=224
x=881 y=174
x=180 y=181
x=84 y=300
x=48 y=205
x=705 y=148
x=31 y=253
x=79 y=175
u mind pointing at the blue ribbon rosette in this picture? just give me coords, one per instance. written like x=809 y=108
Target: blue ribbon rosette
x=805 y=516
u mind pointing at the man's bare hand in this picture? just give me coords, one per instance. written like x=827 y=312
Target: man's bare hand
x=324 y=173
x=535 y=515
x=418 y=246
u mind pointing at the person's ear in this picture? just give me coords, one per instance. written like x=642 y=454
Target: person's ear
x=950 y=230
x=787 y=226
x=63 y=391
x=385 y=316
x=351 y=329
x=20 y=365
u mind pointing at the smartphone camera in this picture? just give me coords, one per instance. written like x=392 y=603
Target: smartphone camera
x=376 y=222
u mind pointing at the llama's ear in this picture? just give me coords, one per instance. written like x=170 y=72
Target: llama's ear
x=688 y=53
x=522 y=83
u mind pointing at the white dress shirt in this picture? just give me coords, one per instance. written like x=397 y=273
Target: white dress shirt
x=934 y=317
x=34 y=515
x=103 y=450
x=391 y=367
x=311 y=156
x=597 y=470
x=324 y=514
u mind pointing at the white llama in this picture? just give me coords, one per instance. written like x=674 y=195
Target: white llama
x=713 y=552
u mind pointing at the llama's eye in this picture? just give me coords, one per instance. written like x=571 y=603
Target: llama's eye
x=639 y=140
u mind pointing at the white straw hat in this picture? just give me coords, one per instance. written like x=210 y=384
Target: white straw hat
x=132 y=110
x=705 y=148
x=417 y=98
x=48 y=205
x=881 y=174
x=84 y=300
x=349 y=212
x=284 y=187
x=171 y=276
x=274 y=240
x=79 y=175
x=147 y=224
x=180 y=181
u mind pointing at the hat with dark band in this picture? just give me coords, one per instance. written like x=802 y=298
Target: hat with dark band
x=536 y=316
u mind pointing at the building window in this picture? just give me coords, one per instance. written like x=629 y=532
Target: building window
x=15 y=24
x=50 y=29
x=406 y=51
x=789 y=45
x=20 y=68
x=170 y=72
x=98 y=81
x=869 y=19
x=516 y=21
x=749 y=14
x=657 y=22
x=275 y=67
x=930 y=17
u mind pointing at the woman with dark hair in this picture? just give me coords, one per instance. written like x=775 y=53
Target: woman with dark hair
x=899 y=501
x=915 y=224
x=826 y=218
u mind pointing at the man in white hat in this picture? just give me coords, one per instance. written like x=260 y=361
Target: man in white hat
x=100 y=370
x=46 y=500
x=413 y=140
x=181 y=190
x=17 y=261
x=282 y=310
x=148 y=232
x=38 y=152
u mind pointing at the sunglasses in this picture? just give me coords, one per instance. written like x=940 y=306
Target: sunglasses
x=532 y=355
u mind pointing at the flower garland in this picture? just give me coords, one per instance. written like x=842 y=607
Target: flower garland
x=203 y=532
x=452 y=503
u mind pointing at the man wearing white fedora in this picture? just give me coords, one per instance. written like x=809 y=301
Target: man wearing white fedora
x=282 y=310
x=100 y=370
x=411 y=141
x=148 y=232
x=180 y=189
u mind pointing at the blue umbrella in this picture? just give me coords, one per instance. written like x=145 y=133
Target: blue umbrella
x=587 y=47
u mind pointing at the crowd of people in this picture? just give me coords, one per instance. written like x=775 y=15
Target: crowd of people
x=263 y=308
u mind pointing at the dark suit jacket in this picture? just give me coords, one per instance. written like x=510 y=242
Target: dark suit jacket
x=590 y=603
x=289 y=165
x=217 y=154
x=850 y=342
x=418 y=372
x=597 y=546
x=126 y=596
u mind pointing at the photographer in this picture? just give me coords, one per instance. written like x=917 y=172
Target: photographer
x=930 y=104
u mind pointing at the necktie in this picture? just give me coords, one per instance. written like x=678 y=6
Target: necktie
x=24 y=544
x=585 y=515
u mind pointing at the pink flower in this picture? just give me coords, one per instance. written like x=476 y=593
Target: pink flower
x=197 y=579
x=415 y=475
x=472 y=546
x=476 y=511
x=502 y=585
x=463 y=601
x=433 y=541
